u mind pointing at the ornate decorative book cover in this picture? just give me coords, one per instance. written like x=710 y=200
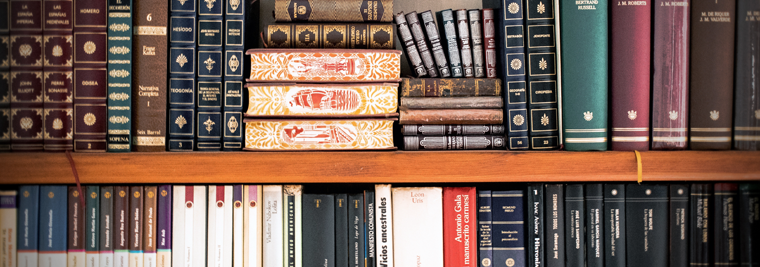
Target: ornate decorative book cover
x=5 y=89
x=182 y=65
x=352 y=36
x=367 y=134
x=422 y=47
x=26 y=83
x=448 y=29
x=747 y=104
x=431 y=30
x=234 y=47
x=58 y=86
x=340 y=100
x=334 y=11
x=465 y=44
x=489 y=41
x=90 y=75
x=467 y=142
x=476 y=34
x=513 y=67
x=405 y=37
x=438 y=87
x=120 y=51
x=324 y=65
x=209 y=124
x=452 y=129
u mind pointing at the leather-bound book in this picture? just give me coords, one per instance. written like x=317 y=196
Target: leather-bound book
x=405 y=36
x=324 y=65
x=341 y=134
x=476 y=35
x=746 y=102
x=466 y=142
x=422 y=47
x=480 y=102
x=333 y=11
x=647 y=228
x=448 y=29
x=542 y=74
x=90 y=75
x=5 y=88
x=148 y=85
x=439 y=55
x=450 y=116
x=463 y=39
x=452 y=129
x=75 y=227
x=513 y=67
x=234 y=47
x=670 y=74
x=120 y=51
x=350 y=35
x=319 y=227
x=26 y=58
x=489 y=41
x=435 y=87
x=331 y=100
x=712 y=74
x=182 y=65
x=209 y=124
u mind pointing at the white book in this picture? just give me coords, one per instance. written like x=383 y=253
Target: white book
x=239 y=233
x=272 y=222
x=8 y=228
x=252 y=213
x=189 y=226
x=383 y=225
x=418 y=227
x=220 y=226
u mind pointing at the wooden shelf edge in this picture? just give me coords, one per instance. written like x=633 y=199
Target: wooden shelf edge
x=378 y=167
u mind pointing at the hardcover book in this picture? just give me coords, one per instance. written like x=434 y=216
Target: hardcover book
x=746 y=104
x=575 y=244
x=106 y=225
x=8 y=227
x=452 y=129
x=182 y=66
x=189 y=226
x=209 y=116
x=239 y=235
x=508 y=231
x=679 y=225
x=90 y=75
x=58 y=91
x=431 y=31
x=417 y=226
x=513 y=68
x=324 y=65
x=535 y=241
x=136 y=230
x=449 y=32
x=463 y=40
x=319 y=213
x=52 y=236
x=369 y=228
x=476 y=34
x=614 y=225
x=272 y=220
x=468 y=102
x=164 y=226
x=234 y=46
x=339 y=100
x=92 y=227
x=75 y=227
x=466 y=142
x=384 y=225
x=251 y=208
x=121 y=226
x=485 y=228
x=422 y=47
x=646 y=208
x=701 y=232
x=341 y=230
x=489 y=41
x=351 y=36
x=594 y=225
x=724 y=224
x=119 y=76
x=292 y=224
x=5 y=93
x=333 y=11
x=28 y=225
x=405 y=36
x=318 y=134
x=555 y=229
x=356 y=234
x=209 y=124
x=437 y=87
x=450 y=116
x=26 y=83
x=459 y=227
x=149 y=225
x=749 y=204
x=219 y=225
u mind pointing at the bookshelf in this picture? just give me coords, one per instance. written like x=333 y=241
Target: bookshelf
x=378 y=167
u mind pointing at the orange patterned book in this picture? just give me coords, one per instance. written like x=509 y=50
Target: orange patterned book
x=334 y=100
x=365 y=134
x=324 y=65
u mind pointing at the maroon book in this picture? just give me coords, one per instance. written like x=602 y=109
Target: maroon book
x=630 y=34
x=26 y=58
x=670 y=80
x=57 y=25
x=90 y=75
x=489 y=33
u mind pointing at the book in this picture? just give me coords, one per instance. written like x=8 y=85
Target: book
x=614 y=225
x=449 y=32
x=333 y=11
x=150 y=219
x=289 y=99
x=489 y=41
x=136 y=230
x=292 y=225
x=594 y=224
x=350 y=35
x=28 y=226
x=75 y=227
x=417 y=226
x=513 y=66
x=219 y=225
x=90 y=74
x=700 y=227
x=670 y=74
x=452 y=129
x=647 y=242
x=5 y=89
x=405 y=36
x=234 y=45
x=356 y=234
x=324 y=65
x=384 y=224
x=431 y=31
x=341 y=230
x=119 y=76
x=555 y=226
x=535 y=240
x=106 y=227
x=209 y=122
x=724 y=224
x=319 y=213
x=182 y=62
x=485 y=228
x=463 y=41
x=437 y=87
x=252 y=225
x=239 y=226
x=422 y=47
x=272 y=244
x=508 y=230
x=318 y=134
x=8 y=227
x=679 y=225
x=148 y=86
x=467 y=102
x=189 y=225
x=208 y=133
x=466 y=142
x=749 y=204
x=121 y=226
x=164 y=226
x=92 y=226
x=58 y=85
x=53 y=236
x=476 y=34
x=746 y=109
x=26 y=66
x=711 y=74
x=369 y=228
x=460 y=227
x=450 y=116
x=575 y=242
x=585 y=75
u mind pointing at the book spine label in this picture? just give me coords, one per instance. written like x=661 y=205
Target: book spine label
x=508 y=230
x=76 y=232
x=136 y=230
x=513 y=67
x=459 y=227
x=240 y=223
x=670 y=74
x=164 y=226
x=273 y=246
x=58 y=108
x=92 y=227
x=452 y=129
x=8 y=228
x=106 y=224
x=356 y=230
x=614 y=225
x=405 y=35
x=349 y=11
x=700 y=249
x=28 y=225
x=482 y=102
x=416 y=206
x=419 y=39
x=724 y=224
x=233 y=114
x=209 y=115
x=319 y=211
x=485 y=229
x=749 y=205
x=466 y=142
x=575 y=244
x=450 y=116
x=292 y=201
x=594 y=225
x=747 y=109
x=26 y=111
x=555 y=228
x=351 y=36
x=121 y=226
x=325 y=66
x=90 y=90
x=220 y=225
x=647 y=243
x=449 y=32
x=535 y=243
x=435 y=43
x=232 y=108
x=431 y=87
x=342 y=231
x=679 y=225
x=319 y=134
x=53 y=235
x=307 y=99
x=476 y=32
x=149 y=226
x=489 y=41
x=369 y=225
x=384 y=224
x=58 y=44
x=182 y=66
x=120 y=49
x=463 y=41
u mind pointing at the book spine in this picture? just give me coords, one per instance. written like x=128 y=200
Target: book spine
x=749 y=205
x=415 y=245
x=419 y=39
x=485 y=229
x=647 y=243
x=508 y=231
x=377 y=99
x=700 y=209
x=199 y=228
x=8 y=228
x=594 y=225
x=431 y=87
x=106 y=225
x=450 y=116
x=240 y=226
x=5 y=88
x=150 y=218
x=164 y=226
x=341 y=231
x=210 y=85
x=149 y=86
x=384 y=223
x=53 y=235
x=292 y=224
x=459 y=231
x=483 y=102
x=724 y=224
x=431 y=31
x=121 y=226
x=449 y=32
x=369 y=225
x=347 y=36
x=319 y=211
x=57 y=82
x=555 y=228
x=679 y=225
x=328 y=65
x=535 y=243
x=90 y=75
x=182 y=62
x=252 y=226
x=92 y=230
x=136 y=230
x=339 y=11
x=273 y=226
x=28 y=225
x=747 y=108
x=585 y=75
x=234 y=46
x=489 y=41
x=320 y=134
x=476 y=32
x=452 y=129
x=463 y=41
x=182 y=217
x=712 y=74
x=513 y=67
x=76 y=233
x=356 y=230
x=26 y=83
x=466 y=142
x=670 y=74
x=614 y=225
x=405 y=36
x=119 y=76
x=219 y=225
x=575 y=244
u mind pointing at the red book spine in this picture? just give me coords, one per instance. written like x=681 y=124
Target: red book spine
x=90 y=75
x=489 y=33
x=57 y=50
x=630 y=30
x=460 y=247
x=26 y=58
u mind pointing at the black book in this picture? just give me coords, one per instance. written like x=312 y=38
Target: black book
x=319 y=230
x=356 y=230
x=700 y=250
x=369 y=227
x=341 y=230
x=679 y=225
x=646 y=208
x=724 y=224
x=535 y=243
x=614 y=225
x=749 y=230
x=594 y=225
x=555 y=228
x=575 y=244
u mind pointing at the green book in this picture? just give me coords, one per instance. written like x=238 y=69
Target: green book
x=92 y=225
x=585 y=78
x=119 y=76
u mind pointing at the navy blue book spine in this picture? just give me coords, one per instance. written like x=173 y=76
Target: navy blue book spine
x=211 y=64
x=182 y=62
x=594 y=225
x=575 y=244
x=508 y=228
x=536 y=243
x=234 y=47
x=28 y=224
x=614 y=225
x=485 y=231
x=513 y=65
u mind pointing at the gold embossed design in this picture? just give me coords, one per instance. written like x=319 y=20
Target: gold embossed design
x=151 y=30
x=107 y=195
x=272 y=29
x=75 y=194
x=544 y=120
x=327 y=30
x=150 y=141
x=209 y=125
x=137 y=194
x=513 y=8
x=510 y=262
x=119 y=50
x=232 y=124
x=50 y=194
x=26 y=123
x=57 y=124
x=234 y=4
x=181 y=60
x=714 y=115
x=118 y=119
x=325 y=67
x=541 y=8
x=118 y=15
x=25 y=50
x=308 y=29
x=57 y=51
x=122 y=193
x=89 y=47
x=26 y=193
x=209 y=63
x=180 y=121
x=542 y=64
x=234 y=63
x=182 y=2
x=151 y=194
x=118 y=96
x=89 y=119
x=324 y=135
x=515 y=64
x=631 y=114
x=210 y=3
x=291 y=190
x=518 y=120
x=118 y=73
x=673 y=115
x=164 y=193
x=121 y=27
x=374 y=29
x=93 y=195
x=588 y=115
x=306 y=99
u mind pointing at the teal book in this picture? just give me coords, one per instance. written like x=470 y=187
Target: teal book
x=585 y=74
x=119 y=76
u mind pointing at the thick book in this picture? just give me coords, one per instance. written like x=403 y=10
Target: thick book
x=646 y=208
x=449 y=32
x=90 y=75
x=508 y=229
x=189 y=226
x=324 y=65
x=465 y=142
x=356 y=233
x=749 y=233
x=8 y=227
x=417 y=226
x=489 y=42
x=585 y=74
x=121 y=226
x=150 y=198
x=535 y=242
x=746 y=104
x=53 y=233
x=105 y=224
x=149 y=92
x=136 y=229
x=239 y=235
x=405 y=37
x=384 y=225
x=296 y=99
x=292 y=229
x=369 y=228
x=678 y=213
x=485 y=228
x=252 y=253
x=575 y=222
x=351 y=36
x=614 y=225
x=457 y=87
x=513 y=68
x=272 y=245
x=468 y=102
x=700 y=226
x=555 y=226
x=463 y=41
x=209 y=123
x=341 y=230
x=431 y=31
x=58 y=85
x=235 y=13
x=594 y=224
x=476 y=36
x=450 y=116
x=219 y=240
x=319 y=215
x=365 y=134
x=164 y=226
x=724 y=224
x=422 y=47
x=452 y=129
x=182 y=62
x=26 y=65
x=75 y=227
x=712 y=74
x=460 y=227
x=119 y=76
x=333 y=11
x=670 y=74
x=28 y=226
x=92 y=226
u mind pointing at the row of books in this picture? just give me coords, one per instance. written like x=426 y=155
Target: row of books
x=281 y=225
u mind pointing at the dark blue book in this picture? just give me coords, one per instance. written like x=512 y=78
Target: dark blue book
x=52 y=235
x=555 y=228
x=210 y=125
x=679 y=225
x=513 y=67
x=356 y=230
x=485 y=231
x=28 y=225
x=508 y=232
x=234 y=46
x=535 y=231
x=614 y=222
x=182 y=66
x=341 y=230
x=575 y=244
x=749 y=228
x=319 y=230
x=646 y=208
x=594 y=225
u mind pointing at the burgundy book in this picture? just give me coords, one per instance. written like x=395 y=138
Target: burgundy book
x=630 y=33
x=460 y=208
x=57 y=24
x=489 y=40
x=26 y=75
x=670 y=77
x=90 y=78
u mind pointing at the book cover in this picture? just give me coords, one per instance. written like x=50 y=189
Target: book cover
x=508 y=230
x=319 y=215
x=431 y=32
x=92 y=230
x=219 y=225
x=476 y=36
x=57 y=48
x=28 y=226
x=746 y=104
x=8 y=227
x=485 y=228
x=121 y=226
x=535 y=242
x=514 y=67
x=466 y=142
x=458 y=87
x=679 y=225
x=335 y=11
x=646 y=208
x=489 y=41
x=234 y=45
x=106 y=227
x=150 y=219
x=369 y=228
x=272 y=244
x=209 y=114
x=614 y=225
x=252 y=226
x=384 y=225
x=75 y=227
x=450 y=116
x=341 y=231
x=5 y=89
x=422 y=47
x=323 y=100
x=292 y=232
x=724 y=224
x=467 y=102
x=356 y=230
x=189 y=226
x=324 y=65
x=555 y=228
x=449 y=32
x=749 y=205
x=460 y=227
x=405 y=36
x=26 y=101
x=417 y=226
x=53 y=232
x=594 y=225
x=351 y=35
x=463 y=41
x=136 y=230
x=701 y=232
x=240 y=237
x=209 y=123
x=164 y=226
x=318 y=134
x=452 y=129
x=119 y=76
x=182 y=62
x=90 y=74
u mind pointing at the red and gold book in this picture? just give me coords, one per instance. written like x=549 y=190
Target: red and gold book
x=460 y=227
x=324 y=65
x=26 y=58
x=363 y=134
x=58 y=84
x=90 y=78
x=303 y=100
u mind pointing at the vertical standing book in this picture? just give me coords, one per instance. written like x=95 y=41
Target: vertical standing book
x=412 y=54
x=447 y=26
x=422 y=47
x=149 y=225
x=120 y=53
x=463 y=37
x=614 y=225
x=26 y=83
x=28 y=225
x=356 y=230
x=8 y=228
x=252 y=226
x=189 y=226
x=272 y=244
x=234 y=47
x=513 y=68
x=58 y=85
x=679 y=225
x=435 y=42
x=219 y=225
x=319 y=215
x=369 y=228
x=700 y=228
x=90 y=75
x=417 y=225
x=164 y=226
x=476 y=34
x=724 y=224
x=121 y=226
x=555 y=229
x=53 y=230
x=106 y=222
x=341 y=230
x=646 y=208
x=594 y=225
x=489 y=41
x=292 y=232
x=384 y=225
x=5 y=88
x=136 y=230
x=747 y=92
x=575 y=223
x=211 y=65
x=508 y=230
x=182 y=62
x=485 y=228
x=92 y=226
x=459 y=227
x=76 y=233
x=535 y=242
x=749 y=232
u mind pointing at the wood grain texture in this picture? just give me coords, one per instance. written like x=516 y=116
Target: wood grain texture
x=378 y=167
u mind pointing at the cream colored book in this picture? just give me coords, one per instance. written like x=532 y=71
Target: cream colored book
x=383 y=225
x=189 y=226
x=417 y=227
x=220 y=226
x=272 y=236
x=8 y=228
x=252 y=214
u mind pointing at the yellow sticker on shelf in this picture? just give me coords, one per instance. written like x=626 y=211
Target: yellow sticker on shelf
x=638 y=164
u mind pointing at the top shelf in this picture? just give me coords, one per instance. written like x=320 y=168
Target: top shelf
x=378 y=167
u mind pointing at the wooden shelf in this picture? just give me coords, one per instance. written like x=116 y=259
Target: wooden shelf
x=377 y=167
